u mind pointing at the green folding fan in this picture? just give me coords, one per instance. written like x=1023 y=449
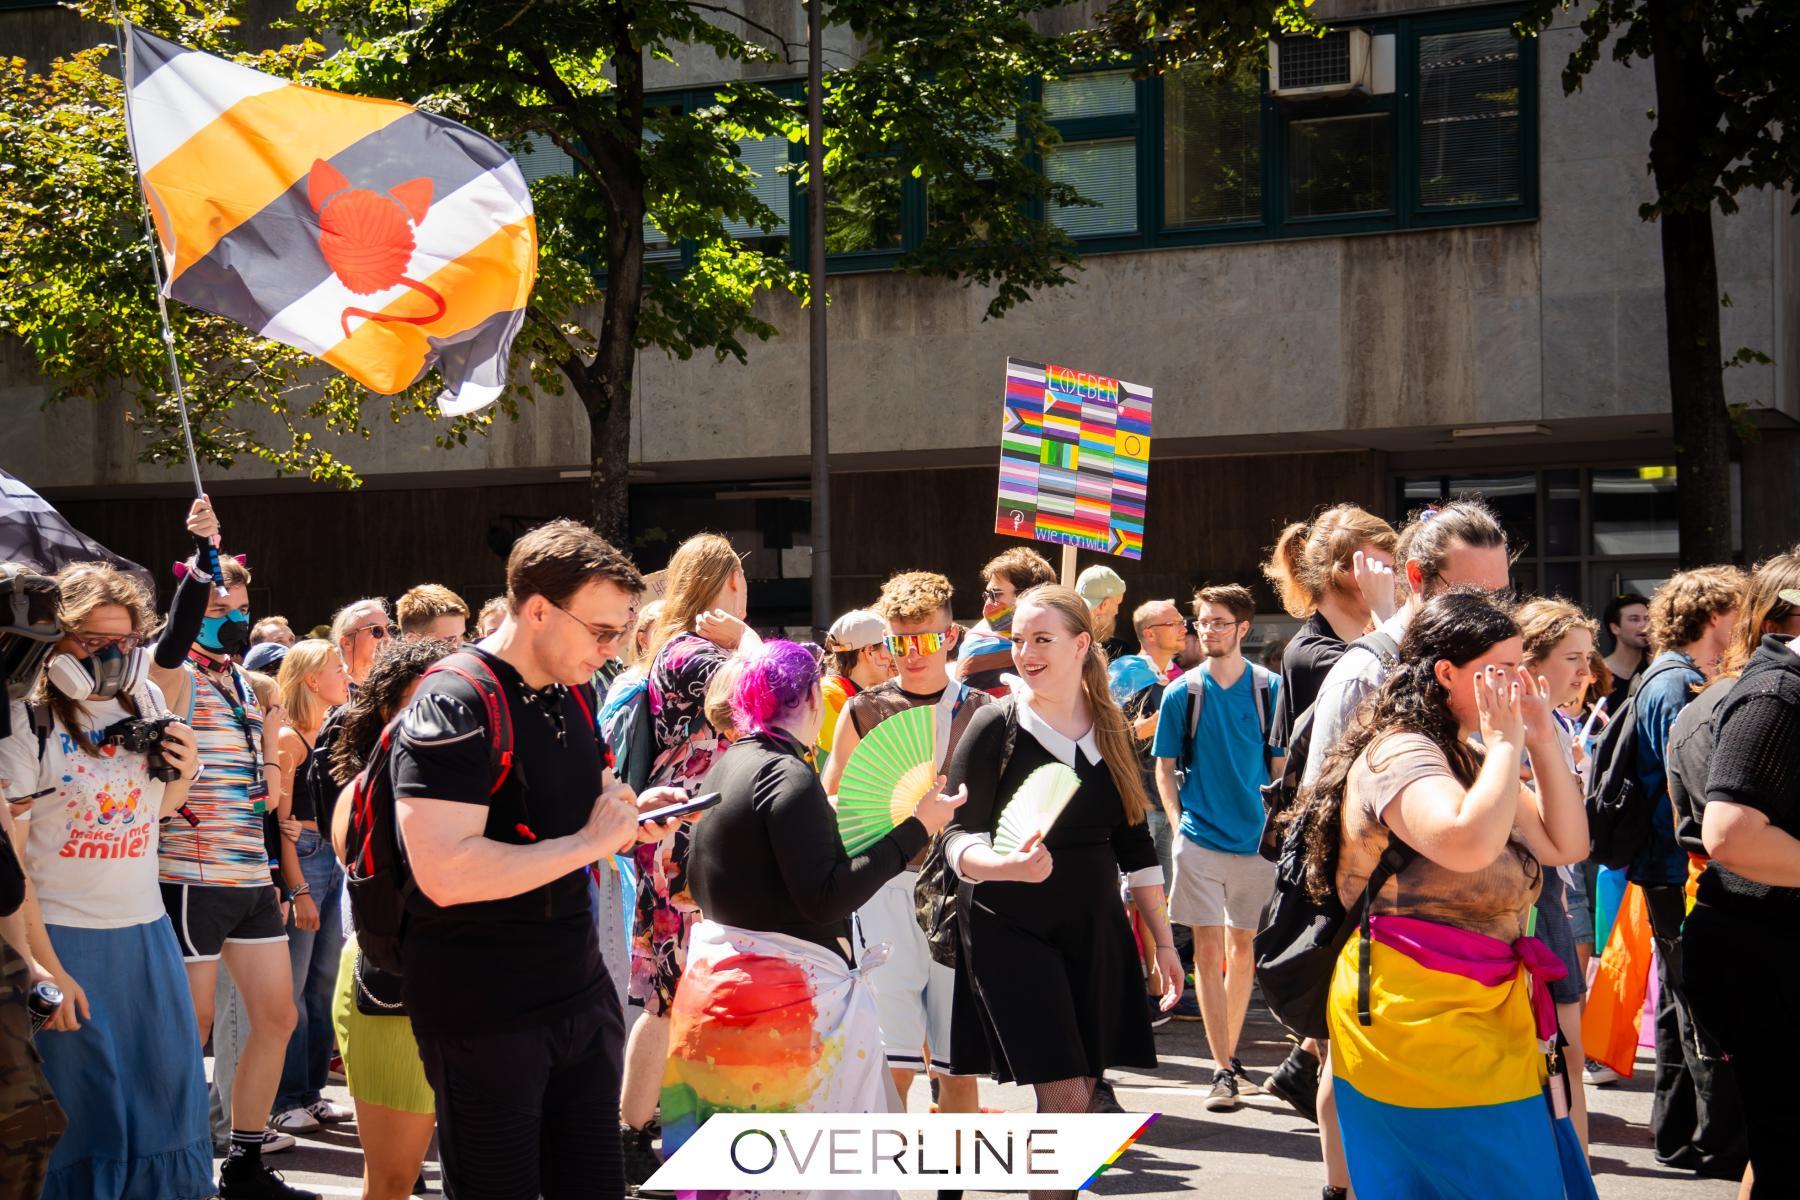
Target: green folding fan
x=1035 y=806
x=889 y=772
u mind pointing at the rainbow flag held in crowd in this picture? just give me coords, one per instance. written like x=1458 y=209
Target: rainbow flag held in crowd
x=1443 y=1093
x=376 y=237
x=768 y=1023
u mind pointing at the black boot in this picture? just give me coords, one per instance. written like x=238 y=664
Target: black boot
x=641 y=1160
x=1296 y=1081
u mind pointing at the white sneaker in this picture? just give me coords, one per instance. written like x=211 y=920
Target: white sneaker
x=329 y=1113
x=294 y=1120
x=274 y=1141
x=1598 y=1074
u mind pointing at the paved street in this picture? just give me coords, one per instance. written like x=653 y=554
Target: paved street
x=1263 y=1146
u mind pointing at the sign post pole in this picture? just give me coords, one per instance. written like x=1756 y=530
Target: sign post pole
x=1068 y=566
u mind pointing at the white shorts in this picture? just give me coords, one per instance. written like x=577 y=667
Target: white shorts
x=1214 y=889
x=913 y=993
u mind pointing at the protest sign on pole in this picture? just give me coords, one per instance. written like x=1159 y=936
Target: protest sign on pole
x=1074 y=460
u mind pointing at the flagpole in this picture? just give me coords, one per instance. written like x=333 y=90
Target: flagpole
x=162 y=308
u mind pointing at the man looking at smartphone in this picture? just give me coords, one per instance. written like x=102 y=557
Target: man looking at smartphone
x=519 y=1029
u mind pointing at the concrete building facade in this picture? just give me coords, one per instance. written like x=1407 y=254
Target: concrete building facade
x=1385 y=297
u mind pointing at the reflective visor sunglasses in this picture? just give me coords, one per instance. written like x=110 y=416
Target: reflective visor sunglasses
x=916 y=643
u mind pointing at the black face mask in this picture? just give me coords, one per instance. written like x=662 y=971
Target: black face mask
x=228 y=635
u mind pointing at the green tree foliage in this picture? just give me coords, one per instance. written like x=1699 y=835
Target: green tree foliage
x=933 y=95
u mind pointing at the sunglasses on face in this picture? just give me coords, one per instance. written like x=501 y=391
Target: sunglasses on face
x=993 y=595
x=375 y=631
x=93 y=643
x=603 y=635
x=916 y=643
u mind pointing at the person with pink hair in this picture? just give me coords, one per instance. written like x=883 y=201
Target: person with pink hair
x=770 y=872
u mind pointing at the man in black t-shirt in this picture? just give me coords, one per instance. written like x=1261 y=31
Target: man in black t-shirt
x=519 y=1029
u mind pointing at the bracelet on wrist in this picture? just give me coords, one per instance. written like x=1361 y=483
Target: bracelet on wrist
x=304 y=889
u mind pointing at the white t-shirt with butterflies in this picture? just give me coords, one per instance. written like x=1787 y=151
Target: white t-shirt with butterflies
x=90 y=844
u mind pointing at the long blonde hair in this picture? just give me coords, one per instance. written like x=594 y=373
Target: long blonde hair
x=305 y=709
x=1111 y=733
x=699 y=571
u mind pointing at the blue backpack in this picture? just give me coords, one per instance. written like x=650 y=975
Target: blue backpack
x=627 y=726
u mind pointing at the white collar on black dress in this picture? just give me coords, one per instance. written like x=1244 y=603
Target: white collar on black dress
x=1061 y=748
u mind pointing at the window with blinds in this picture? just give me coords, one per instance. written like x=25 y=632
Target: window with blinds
x=1104 y=171
x=1100 y=94
x=1212 y=149
x=1097 y=115
x=764 y=159
x=1469 y=148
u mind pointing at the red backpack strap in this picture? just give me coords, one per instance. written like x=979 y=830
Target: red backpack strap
x=587 y=707
x=480 y=676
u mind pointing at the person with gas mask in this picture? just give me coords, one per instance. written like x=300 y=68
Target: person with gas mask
x=213 y=860
x=101 y=762
x=31 y=1121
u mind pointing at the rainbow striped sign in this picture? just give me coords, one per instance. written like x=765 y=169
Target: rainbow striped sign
x=1074 y=459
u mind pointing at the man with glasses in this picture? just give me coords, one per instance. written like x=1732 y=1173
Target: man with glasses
x=986 y=654
x=519 y=1028
x=1213 y=755
x=1137 y=682
x=359 y=629
x=913 y=993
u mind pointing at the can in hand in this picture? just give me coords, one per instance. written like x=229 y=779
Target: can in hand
x=42 y=1002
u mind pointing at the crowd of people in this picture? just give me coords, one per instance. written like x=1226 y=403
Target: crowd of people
x=1442 y=779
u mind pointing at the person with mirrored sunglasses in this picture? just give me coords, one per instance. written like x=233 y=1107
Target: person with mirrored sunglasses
x=913 y=993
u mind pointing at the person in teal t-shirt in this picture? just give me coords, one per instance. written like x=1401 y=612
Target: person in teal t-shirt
x=1212 y=791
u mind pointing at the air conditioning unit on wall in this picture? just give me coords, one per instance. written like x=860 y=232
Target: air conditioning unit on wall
x=1340 y=63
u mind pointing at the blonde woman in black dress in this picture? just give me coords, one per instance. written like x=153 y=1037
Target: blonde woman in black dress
x=1049 y=989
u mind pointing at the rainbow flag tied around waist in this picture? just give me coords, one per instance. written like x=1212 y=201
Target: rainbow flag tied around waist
x=767 y=1023
x=375 y=237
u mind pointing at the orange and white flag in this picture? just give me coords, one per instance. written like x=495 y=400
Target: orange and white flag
x=378 y=238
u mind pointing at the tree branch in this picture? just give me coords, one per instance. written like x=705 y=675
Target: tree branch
x=787 y=47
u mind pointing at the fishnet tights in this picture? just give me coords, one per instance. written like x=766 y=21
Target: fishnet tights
x=1063 y=1096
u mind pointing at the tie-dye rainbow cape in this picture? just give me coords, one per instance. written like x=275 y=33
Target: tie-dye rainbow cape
x=1442 y=1094
x=763 y=1022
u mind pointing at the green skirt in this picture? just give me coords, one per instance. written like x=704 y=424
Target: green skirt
x=381 y=1056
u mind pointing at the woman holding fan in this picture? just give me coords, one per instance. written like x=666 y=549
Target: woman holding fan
x=771 y=874
x=1049 y=987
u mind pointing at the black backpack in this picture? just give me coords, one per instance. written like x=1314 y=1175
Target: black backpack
x=1298 y=945
x=1619 y=809
x=935 y=891
x=1281 y=793
x=377 y=877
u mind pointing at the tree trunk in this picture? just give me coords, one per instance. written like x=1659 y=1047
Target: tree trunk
x=1686 y=111
x=606 y=390
x=609 y=457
